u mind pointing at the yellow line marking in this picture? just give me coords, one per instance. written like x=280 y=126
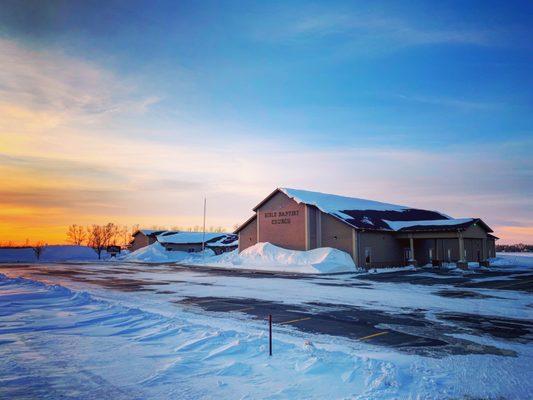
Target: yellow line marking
x=374 y=335
x=293 y=320
x=242 y=309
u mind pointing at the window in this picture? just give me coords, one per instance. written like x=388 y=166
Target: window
x=431 y=254
x=191 y=250
x=449 y=255
x=368 y=255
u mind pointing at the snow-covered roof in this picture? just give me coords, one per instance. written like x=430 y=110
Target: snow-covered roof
x=437 y=223
x=148 y=232
x=228 y=240
x=189 y=237
x=361 y=213
x=332 y=203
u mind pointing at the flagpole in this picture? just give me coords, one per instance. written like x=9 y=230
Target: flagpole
x=203 y=235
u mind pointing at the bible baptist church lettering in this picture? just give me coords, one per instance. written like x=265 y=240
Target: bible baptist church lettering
x=275 y=216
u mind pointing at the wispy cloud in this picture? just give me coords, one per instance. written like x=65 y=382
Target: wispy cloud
x=368 y=32
x=49 y=81
x=460 y=104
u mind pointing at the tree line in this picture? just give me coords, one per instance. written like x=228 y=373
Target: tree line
x=99 y=237
x=514 y=248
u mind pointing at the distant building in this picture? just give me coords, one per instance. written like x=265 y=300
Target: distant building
x=192 y=241
x=375 y=234
x=113 y=250
x=143 y=238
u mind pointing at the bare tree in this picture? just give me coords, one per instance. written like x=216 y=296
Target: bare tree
x=76 y=234
x=124 y=235
x=101 y=236
x=111 y=234
x=38 y=248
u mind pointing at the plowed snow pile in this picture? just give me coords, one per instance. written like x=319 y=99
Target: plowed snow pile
x=156 y=253
x=267 y=257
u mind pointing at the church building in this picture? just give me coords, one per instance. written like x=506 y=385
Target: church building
x=375 y=234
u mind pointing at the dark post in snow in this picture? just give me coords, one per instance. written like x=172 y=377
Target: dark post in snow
x=270 y=334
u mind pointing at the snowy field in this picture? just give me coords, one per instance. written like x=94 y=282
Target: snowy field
x=134 y=330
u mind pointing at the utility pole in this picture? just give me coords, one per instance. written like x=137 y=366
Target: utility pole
x=203 y=235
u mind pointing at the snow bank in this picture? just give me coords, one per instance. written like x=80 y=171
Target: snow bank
x=267 y=257
x=156 y=253
x=70 y=253
x=56 y=253
x=520 y=260
x=22 y=254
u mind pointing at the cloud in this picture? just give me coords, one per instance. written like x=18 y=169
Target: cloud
x=364 y=31
x=38 y=81
x=460 y=104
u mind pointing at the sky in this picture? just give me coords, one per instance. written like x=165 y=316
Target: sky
x=133 y=111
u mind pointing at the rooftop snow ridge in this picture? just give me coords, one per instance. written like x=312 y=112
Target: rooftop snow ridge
x=332 y=203
x=399 y=225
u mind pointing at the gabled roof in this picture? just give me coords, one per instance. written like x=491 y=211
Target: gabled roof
x=148 y=232
x=253 y=217
x=356 y=212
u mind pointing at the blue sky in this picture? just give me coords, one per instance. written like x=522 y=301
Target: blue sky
x=421 y=103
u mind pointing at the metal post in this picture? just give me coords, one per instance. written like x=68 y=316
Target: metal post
x=203 y=235
x=270 y=334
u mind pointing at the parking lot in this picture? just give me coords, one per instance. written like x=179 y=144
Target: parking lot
x=328 y=305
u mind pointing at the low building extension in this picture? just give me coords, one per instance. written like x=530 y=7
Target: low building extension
x=192 y=242
x=375 y=234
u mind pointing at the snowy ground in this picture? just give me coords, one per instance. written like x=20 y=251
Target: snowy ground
x=116 y=330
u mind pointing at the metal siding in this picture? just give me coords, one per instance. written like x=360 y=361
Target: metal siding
x=386 y=249
x=248 y=235
x=336 y=234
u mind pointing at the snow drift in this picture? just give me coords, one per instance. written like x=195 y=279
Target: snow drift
x=53 y=253
x=267 y=257
x=517 y=260
x=156 y=253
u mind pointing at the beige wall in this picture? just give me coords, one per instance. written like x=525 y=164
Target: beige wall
x=248 y=235
x=140 y=240
x=336 y=234
x=475 y=231
x=282 y=222
x=386 y=250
